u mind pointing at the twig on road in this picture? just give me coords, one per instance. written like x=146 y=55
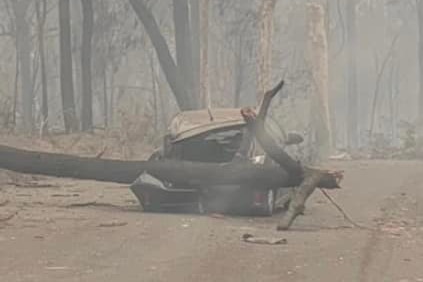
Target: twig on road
x=344 y=214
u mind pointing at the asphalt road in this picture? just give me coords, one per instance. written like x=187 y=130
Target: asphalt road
x=69 y=230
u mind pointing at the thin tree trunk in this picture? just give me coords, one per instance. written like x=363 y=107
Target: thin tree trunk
x=168 y=65
x=196 y=45
x=16 y=84
x=105 y=99
x=420 y=56
x=379 y=75
x=239 y=70
x=66 y=75
x=155 y=94
x=112 y=98
x=23 y=38
x=320 y=70
x=265 y=46
x=205 y=94
x=41 y=19
x=353 y=134
x=86 y=57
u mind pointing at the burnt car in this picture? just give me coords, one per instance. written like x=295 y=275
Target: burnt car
x=205 y=136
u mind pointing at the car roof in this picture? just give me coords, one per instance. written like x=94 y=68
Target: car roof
x=188 y=124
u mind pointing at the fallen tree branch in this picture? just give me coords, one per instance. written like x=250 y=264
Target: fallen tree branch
x=309 y=178
x=344 y=214
x=297 y=203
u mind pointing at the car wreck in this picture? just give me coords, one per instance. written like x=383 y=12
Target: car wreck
x=209 y=161
x=208 y=136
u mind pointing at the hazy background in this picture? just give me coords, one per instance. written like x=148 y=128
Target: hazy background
x=223 y=53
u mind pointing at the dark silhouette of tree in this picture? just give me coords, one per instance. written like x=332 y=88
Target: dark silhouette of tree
x=66 y=76
x=86 y=50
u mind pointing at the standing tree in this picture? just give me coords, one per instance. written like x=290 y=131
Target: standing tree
x=175 y=72
x=66 y=76
x=320 y=73
x=267 y=8
x=41 y=12
x=183 y=44
x=420 y=55
x=204 y=65
x=195 y=21
x=86 y=47
x=23 y=42
x=352 y=101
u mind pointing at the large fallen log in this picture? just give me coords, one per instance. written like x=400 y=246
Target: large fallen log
x=194 y=174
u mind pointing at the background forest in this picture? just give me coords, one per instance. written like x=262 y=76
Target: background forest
x=123 y=69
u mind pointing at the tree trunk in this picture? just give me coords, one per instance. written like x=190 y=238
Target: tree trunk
x=265 y=46
x=308 y=178
x=192 y=174
x=239 y=70
x=420 y=56
x=105 y=99
x=196 y=46
x=86 y=57
x=23 y=38
x=318 y=47
x=41 y=19
x=298 y=199
x=66 y=69
x=353 y=133
x=183 y=44
x=167 y=63
x=204 y=77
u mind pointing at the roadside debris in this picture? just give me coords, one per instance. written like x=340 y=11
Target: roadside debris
x=217 y=215
x=113 y=223
x=249 y=238
x=56 y=268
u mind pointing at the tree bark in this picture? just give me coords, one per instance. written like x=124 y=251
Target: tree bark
x=257 y=128
x=204 y=77
x=195 y=20
x=298 y=199
x=193 y=174
x=320 y=72
x=66 y=69
x=23 y=38
x=265 y=46
x=352 y=93
x=239 y=69
x=420 y=56
x=167 y=63
x=86 y=51
x=184 y=47
x=41 y=19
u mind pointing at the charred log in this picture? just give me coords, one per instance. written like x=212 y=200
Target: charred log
x=193 y=174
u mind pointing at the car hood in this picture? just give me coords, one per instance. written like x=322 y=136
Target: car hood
x=192 y=123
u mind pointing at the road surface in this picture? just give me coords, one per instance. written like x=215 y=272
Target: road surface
x=69 y=230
